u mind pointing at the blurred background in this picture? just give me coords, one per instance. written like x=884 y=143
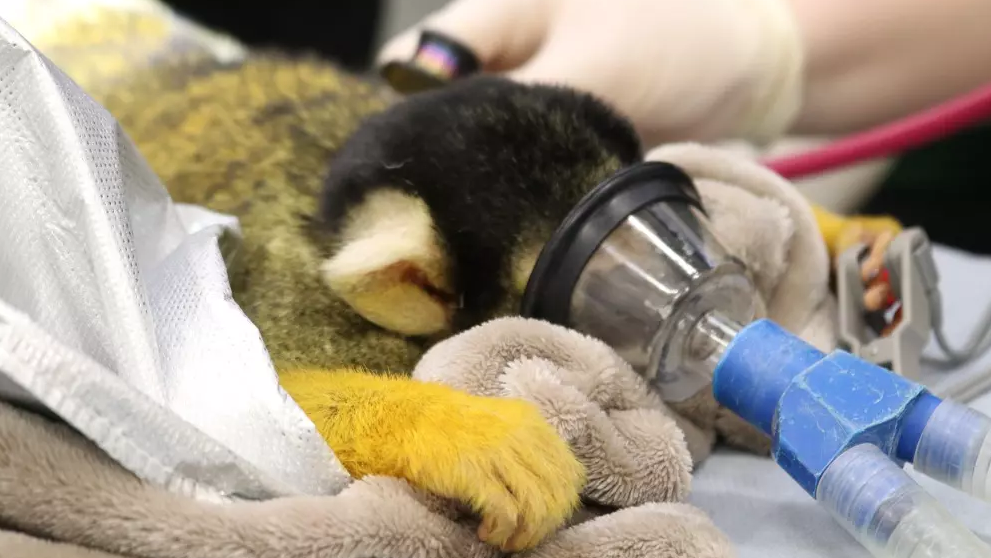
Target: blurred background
x=348 y=31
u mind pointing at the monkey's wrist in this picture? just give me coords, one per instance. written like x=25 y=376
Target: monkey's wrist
x=392 y=426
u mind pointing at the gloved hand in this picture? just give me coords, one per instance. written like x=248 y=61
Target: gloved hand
x=679 y=69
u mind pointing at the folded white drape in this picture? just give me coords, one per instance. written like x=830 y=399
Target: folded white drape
x=115 y=307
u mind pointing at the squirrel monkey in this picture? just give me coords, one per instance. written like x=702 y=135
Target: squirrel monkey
x=370 y=230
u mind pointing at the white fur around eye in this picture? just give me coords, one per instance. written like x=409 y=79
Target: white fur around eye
x=388 y=248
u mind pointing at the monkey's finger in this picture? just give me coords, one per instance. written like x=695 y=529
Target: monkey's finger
x=545 y=496
x=501 y=33
x=875 y=296
x=539 y=471
x=875 y=259
x=546 y=493
x=531 y=533
x=499 y=511
x=542 y=512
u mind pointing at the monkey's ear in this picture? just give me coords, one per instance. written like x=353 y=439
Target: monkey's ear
x=390 y=265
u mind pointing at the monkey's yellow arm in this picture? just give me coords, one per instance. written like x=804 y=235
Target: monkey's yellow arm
x=841 y=232
x=498 y=455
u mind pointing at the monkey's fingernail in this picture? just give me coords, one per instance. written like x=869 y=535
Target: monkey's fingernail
x=869 y=271
x=485 y=529
x=874 y=297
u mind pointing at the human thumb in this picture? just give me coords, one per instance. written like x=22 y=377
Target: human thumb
x=501 y=33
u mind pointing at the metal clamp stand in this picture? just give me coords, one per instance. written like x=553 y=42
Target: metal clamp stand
x=914 y=280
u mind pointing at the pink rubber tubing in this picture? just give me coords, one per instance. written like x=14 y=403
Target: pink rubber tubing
x=888 y=139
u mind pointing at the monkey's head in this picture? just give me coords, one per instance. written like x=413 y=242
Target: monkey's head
x=434 y=211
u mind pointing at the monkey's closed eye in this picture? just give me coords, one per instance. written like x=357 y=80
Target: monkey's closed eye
x=391 y=267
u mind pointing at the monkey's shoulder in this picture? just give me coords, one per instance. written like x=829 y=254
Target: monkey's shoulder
x=235 y=135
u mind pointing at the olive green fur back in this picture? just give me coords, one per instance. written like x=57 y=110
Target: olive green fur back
x=251 y=138
x=254 y=140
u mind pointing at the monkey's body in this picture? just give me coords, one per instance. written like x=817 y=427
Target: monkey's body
x=257 y=139
x=497 y=168
x=368 y=234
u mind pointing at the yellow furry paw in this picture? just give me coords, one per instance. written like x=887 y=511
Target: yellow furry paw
x=864 y=229
x=501 y=457
x=841 y=232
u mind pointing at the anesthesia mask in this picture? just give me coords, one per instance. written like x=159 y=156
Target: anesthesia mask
x=637 y=264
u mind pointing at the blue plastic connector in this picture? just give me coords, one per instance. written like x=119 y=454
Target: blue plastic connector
x=816 y=406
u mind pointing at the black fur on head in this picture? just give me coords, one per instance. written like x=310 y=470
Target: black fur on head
x=493 y=160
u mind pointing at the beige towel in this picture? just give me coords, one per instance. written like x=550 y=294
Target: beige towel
x=56 y=485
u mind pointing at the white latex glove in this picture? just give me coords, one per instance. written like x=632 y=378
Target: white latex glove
x=679 y=69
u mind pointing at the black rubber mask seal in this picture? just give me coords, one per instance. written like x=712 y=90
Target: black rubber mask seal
x=550 y=286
